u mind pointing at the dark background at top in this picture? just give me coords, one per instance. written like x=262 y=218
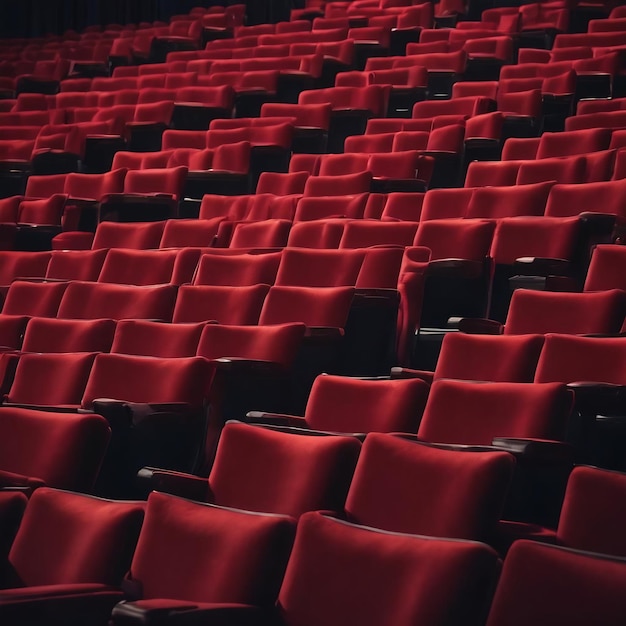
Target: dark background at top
x=35 y=18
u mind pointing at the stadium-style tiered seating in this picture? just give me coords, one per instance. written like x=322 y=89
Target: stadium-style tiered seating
x=401 y=220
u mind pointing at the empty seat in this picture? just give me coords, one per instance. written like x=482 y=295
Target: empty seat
x=363 y=234
x=61 y=450
x=223 y=304
x=571 y=313
x=473 y=413
x=59 y=335
x=190 y=232
x=147 y=338
x=251 y=549
x=68 y=547
x=313 y=306
x=574 y=587
x=496 y=358
x=255 y=467
x=606 y=269
x=344 y=404
x=500 y=202
x=34 y=299
x=84 y=300
x=339 y=572
x=138 y=236
x=55 y=379
x=325 y=207
x=237 y=269
x=319 y=268
x=404 y=486
x=592 y=511
x=149 y=267
x=76 y=264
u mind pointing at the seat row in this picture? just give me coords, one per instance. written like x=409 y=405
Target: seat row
x=259 y=581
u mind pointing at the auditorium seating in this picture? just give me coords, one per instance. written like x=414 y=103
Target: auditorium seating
x=402 y=222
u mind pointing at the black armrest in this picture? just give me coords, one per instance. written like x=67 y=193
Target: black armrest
x=543 y=283
x=54 y=408
x=133 y=413
x=177 y=483
x=536 y=450
x=236 y=365
x=330 y=333
x=476 y=325
x=542 y=266
x=459 y=267
x=406 y=372
x=275 y=419
x=159 y=612
x=599 y=222
x=21 y=482
x=92 y=602
x=308 y=432
x=595 y=397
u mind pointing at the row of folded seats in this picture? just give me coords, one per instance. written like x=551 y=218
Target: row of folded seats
x=274 y=569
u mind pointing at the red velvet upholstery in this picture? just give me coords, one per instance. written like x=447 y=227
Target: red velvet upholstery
x=593 y=512
x=547 y=237
x=148 y=267
x=569 y=359
x=59 y=335
x=324 y=233
x=446 y=203
x=458 y=239
x=543 y=584
x=571 y=313
x=404 y=486
x=351 y=204
x=363 y=234
x=276 y=343
x=340 y=573
x=63 y=450
x=563 y=170
x=343 y=404
x=237 y=269
x=307 y=267
x=358 y=183
x=68 y=539
x=138 y=235
x=474 y=413
x=497 y=202
x=55 y=379
x=203 y=553
x=495 y=358
x=599 y=197
x=83 y=300
x=148 y=379
x=607 y=268
x=191 y=232
x=76 y=264
x=17 y=264
x=313 y=306
x=33 y=299
x=260 y=469
x=226 y=305
x=146 y=338
x=267 y=233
